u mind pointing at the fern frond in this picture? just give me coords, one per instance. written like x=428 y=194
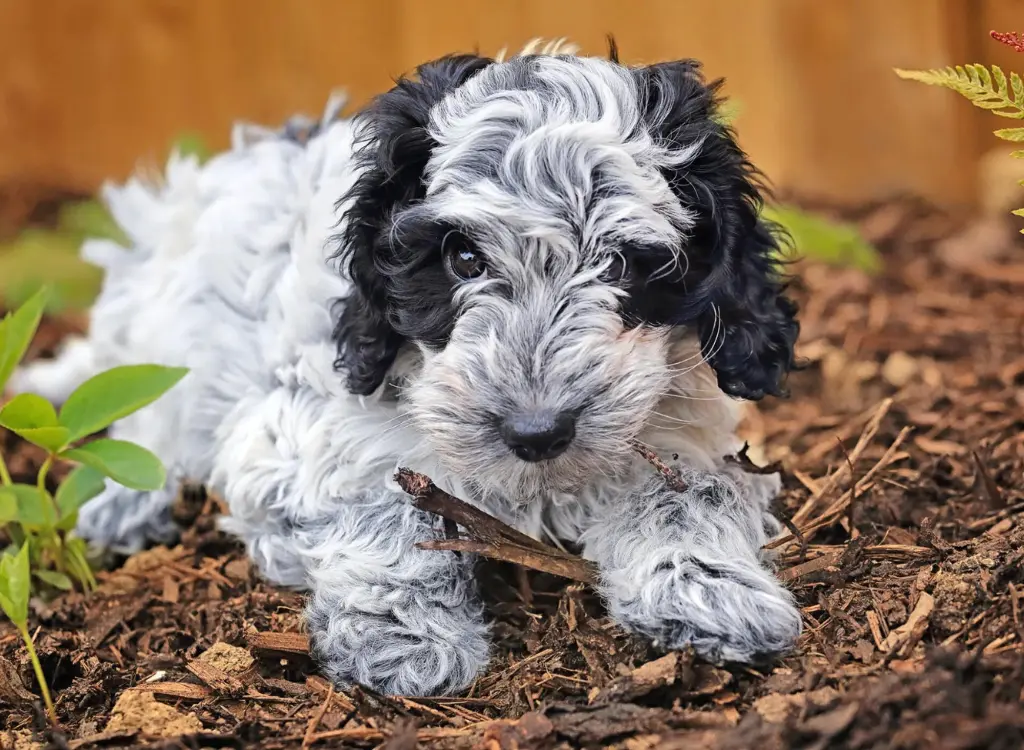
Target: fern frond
x=1010 y=134
x=1018 y=212
x=975 y=83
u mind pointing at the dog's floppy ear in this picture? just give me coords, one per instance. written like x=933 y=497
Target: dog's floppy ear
x=393 y=149
x=735 y=290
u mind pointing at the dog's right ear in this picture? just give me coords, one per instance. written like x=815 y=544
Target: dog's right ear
x=393 y=148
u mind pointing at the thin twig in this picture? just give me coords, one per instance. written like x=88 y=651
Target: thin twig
x=868 y=434
x=314 y=722
x=573 y=568
x=488 y=536
x=672 y=477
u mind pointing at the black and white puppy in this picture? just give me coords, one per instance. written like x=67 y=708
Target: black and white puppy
x=500 y=274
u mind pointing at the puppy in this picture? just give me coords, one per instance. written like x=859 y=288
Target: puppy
x=500 y=274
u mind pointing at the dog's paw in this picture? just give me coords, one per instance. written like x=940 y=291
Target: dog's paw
x=442 y=655
x=726 y=612
x=124 y=521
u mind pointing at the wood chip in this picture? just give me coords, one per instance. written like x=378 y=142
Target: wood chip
x=899 y=636
x=282 y=643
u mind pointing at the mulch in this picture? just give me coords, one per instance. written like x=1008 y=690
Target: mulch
x=903 y=456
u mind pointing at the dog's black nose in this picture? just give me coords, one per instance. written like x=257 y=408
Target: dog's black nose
x=536 y=436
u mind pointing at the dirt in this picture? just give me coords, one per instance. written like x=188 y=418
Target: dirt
x=902 y=449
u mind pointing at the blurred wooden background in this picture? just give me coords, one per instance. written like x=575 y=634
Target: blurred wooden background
x=88 y=88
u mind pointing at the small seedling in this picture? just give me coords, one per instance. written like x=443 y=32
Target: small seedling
x=14 y=592
x=985 y=89
x=43 y=552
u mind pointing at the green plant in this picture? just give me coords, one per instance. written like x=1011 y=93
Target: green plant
x=819 y=238
x=31 y=515
x=14 y=592
x=986 y=89
x=43 y=553
x=50 y=256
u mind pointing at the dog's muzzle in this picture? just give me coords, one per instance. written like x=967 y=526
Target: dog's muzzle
x=539 y=435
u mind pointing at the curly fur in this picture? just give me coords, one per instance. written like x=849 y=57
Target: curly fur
x=629 y=288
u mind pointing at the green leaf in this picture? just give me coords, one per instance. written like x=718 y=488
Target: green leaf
x=727 y=113
x=126 y=463
x=980 y=74
x=818 y=238
x=192 y=144
x=77 y=561
x=105 y=398
x=16 y=332
x=973 y=82
x=81 y=485
x=1017 y=212
x=1000 y=79
x=67 y=521
x=15 y=584
x=1010 y=134
x=55 y=579
x=34 y=418
x=89 y=219
x=35 y=508
x=8 y=507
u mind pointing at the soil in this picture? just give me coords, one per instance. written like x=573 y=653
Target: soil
x=902 y=450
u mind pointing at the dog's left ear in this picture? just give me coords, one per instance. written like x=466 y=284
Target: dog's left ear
x=393 y=149
x=735 y=290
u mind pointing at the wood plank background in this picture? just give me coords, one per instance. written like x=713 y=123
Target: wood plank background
x=88 y=88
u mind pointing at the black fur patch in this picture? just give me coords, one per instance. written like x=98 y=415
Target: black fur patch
x=394 y=149
x=732 y=252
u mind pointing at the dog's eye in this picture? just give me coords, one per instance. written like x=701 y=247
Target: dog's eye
x=616 y=270
x=463 y=261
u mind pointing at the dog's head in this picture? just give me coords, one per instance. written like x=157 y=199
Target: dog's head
x=542 y=229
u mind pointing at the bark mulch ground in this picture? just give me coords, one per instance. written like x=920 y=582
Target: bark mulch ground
x=903 y=455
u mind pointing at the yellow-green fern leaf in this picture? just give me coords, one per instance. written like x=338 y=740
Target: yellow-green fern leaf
x=1018 y=212
x=976 y=84
x=1010 y=134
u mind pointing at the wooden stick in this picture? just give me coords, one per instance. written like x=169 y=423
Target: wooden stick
x=489 y=537
x=573 y=568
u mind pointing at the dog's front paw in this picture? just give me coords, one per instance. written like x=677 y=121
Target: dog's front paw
x=727 y=612
x=122 y=521
x=439 y=655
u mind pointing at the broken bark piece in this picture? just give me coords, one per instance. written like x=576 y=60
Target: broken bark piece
x=918 y=620
x=12 y=689
x=176 y=690
x=216 y=678
x=281 y=643
x=489 y=537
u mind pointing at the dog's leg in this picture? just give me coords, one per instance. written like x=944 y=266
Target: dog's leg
x=686 y=567
x=382 y=612
x=388 y=615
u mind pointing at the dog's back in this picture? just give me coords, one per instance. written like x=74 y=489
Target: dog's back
x=227 y=273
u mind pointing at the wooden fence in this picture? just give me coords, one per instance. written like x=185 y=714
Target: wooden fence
x=90 y=87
